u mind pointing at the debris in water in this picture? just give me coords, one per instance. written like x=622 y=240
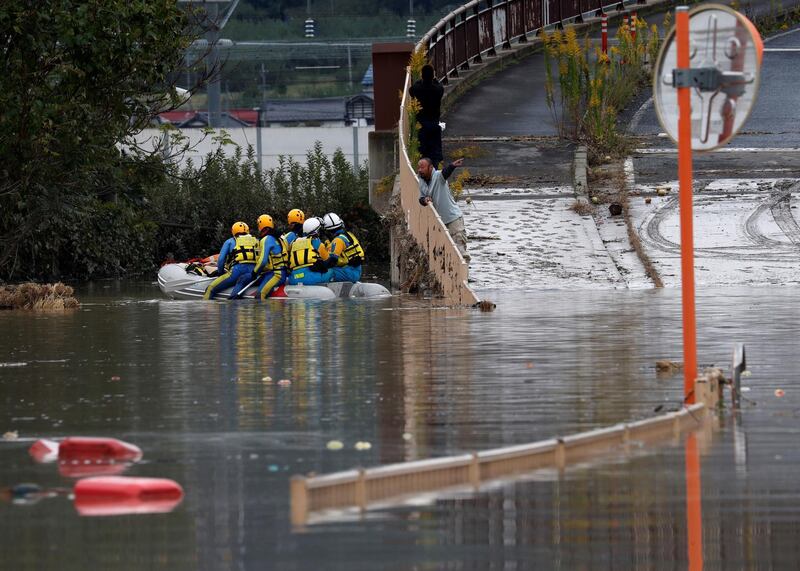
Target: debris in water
x=662 y=191
x=779 y=393
x=408 y=436
x=668 y=366
x=746 y=373
x=266 y=379
x=284 y=383
x=334 y=445
x=11 y=435
x=274 y=468
x=37 y=296
x=361 y=445
x=615 y=209
x=485 y=305
x=648 y=200
x=13 y=364
x=529 y=365
x=115 y=378
x=745 y=389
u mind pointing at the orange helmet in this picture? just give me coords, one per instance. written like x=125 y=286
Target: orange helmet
x=296 y=216
x=265 y=221
x=239 y=228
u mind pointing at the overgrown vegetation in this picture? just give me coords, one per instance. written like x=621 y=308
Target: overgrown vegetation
x=194 y=210
x=78 y=197
x=587 y=88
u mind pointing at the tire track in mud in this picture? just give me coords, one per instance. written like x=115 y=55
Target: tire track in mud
x=763 y=248
x=782 y=213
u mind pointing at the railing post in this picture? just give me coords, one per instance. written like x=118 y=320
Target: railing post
x=465 y=65
x=476 y=13
x=361 y=490
x=507 y=43
x=560 y=24
x=298 y=493
x=451 y=32
x=490 y=5
x=475 y=472
x=524 y=38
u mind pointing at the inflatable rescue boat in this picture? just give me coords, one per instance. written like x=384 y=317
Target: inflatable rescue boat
x=177 y=283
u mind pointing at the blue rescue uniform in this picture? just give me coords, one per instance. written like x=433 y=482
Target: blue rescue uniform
x=346 y=257
x=272 y=263
x=237 y=257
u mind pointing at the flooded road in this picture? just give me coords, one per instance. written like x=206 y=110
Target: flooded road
x=188 y=383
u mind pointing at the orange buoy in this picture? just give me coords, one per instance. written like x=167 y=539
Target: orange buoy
x=97 y=449
x=44 y=450
x=119 y=495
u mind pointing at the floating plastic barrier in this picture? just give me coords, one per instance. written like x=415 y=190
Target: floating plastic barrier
x=121 y=495
x=98 y=449
x=44 y=450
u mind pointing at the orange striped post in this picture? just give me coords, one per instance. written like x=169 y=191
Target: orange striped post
x=685 y=201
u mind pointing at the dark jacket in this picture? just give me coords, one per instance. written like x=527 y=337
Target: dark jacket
x=430 y=97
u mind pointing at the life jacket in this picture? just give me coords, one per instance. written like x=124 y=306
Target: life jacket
x=281 y=259
x=353 y=253
x=246 y=249
x=304 y=254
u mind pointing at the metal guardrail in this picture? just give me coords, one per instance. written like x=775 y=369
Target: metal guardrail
x=392 y=484
x=460 y=39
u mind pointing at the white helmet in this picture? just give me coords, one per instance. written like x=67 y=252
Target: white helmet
x=332 y=221
x=311 y=227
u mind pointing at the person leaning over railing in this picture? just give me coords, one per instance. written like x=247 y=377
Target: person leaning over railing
x=433 y=189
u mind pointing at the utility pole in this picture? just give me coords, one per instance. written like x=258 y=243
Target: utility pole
x=213 y=67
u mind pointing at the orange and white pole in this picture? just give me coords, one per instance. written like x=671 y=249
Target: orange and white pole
x=685 y=201
x=633 y=27
x=604 y=32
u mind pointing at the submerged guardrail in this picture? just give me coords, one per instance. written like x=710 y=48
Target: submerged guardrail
x=461 y=39
x=362 y=488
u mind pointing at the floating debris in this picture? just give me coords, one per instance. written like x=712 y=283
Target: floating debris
x=485 y=305
x=334 y=445
x=266 y=379
x=115 y=378
x=407 y=436
x=746 y=373
x=37 y=296
x=648 y=200
x=361 y=445
x=11 y=435
x=284 y=383
x=19 y=364
x=668 y=366
x=779 y=393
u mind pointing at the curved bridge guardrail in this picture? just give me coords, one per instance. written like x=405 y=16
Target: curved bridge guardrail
x=462 y=38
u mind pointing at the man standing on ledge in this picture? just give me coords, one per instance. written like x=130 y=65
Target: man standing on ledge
x=433 y=188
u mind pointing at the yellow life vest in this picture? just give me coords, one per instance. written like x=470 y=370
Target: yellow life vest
x=304 y=254
x=246 y=249
x=352 y=250
x=274 y=261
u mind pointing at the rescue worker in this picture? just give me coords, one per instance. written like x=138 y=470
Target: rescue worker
x=271 y=267
x=309 y=256
x=237 y=258
x=295 y=220
x=346 y=254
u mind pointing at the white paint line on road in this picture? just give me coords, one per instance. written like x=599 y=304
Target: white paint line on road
x=723 y=150
x=776 y=36
x=630 y=174
x=634 y=124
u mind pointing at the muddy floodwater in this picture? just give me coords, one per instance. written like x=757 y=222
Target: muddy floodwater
x=196 y=386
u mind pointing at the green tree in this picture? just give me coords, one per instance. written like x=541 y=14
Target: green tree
x=79 y=79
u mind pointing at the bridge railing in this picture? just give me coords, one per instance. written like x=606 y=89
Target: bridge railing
x=463 y=38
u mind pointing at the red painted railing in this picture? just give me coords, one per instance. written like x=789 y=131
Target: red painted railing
x=481 y=27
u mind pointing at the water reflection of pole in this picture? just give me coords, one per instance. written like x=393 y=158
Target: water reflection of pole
x=694 y=515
